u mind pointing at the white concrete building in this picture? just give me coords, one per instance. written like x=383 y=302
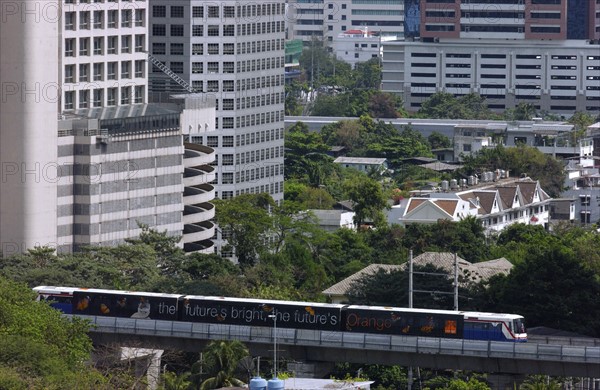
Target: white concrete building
x=560 y=77
x=234 y=51
x=354 y=46
x=326 y=19
x=498 y=201
x=103 y=53
x=125 y=166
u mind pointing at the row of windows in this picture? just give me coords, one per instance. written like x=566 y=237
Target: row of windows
x=500 y=56
x=250 y=175
x=250 y=157
x=104 y=97
x=101 y=71
x=218 y=30
x=160 y=48
x=244 y=139
x=214 y=11
x=226 y=66
x=96 y=19
x=99 y=1
x=102 y=46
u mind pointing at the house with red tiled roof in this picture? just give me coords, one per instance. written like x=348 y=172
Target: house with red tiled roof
x=497 y=204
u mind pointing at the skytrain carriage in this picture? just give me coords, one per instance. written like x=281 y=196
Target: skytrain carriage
x=59 y=298
x=494 y=326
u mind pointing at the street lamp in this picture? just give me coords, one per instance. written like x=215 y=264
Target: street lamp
x=274 y=317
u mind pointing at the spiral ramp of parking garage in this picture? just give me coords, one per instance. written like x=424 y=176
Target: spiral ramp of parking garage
x=198 y=229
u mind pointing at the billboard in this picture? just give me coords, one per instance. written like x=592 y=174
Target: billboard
x=122 y=304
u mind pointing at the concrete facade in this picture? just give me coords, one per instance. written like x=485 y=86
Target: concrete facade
x=103 y=46
x=326 y=19
x=560 y=77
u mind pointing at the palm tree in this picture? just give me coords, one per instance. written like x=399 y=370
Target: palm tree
x=221 y=360
x=172 y=381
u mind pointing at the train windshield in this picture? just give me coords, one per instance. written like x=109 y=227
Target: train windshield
x=519 y=326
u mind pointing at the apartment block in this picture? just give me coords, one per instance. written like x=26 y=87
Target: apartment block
x=235 y=52
x=103 y=47
x=561 y=77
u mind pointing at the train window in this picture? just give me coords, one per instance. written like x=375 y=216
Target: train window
x=450 y=327
x=519 y=326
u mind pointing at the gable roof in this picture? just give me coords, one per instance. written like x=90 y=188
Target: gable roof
x=470 y=272
x=507 y=195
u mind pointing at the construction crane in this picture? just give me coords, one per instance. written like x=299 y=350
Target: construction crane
x=165 y=69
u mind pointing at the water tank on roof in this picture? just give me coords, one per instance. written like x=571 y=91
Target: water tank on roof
x=476 y=180
x=275 y=384
x=471 y=180
x=258 y=383
x=445 y=185
x=463 y=182
x=453 y=184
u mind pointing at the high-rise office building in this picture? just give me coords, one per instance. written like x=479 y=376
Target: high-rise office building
x=510 y=19
x=234 y=51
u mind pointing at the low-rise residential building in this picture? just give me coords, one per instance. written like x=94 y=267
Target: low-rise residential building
x=498 y=201
x=363 y=164
x=332 y=220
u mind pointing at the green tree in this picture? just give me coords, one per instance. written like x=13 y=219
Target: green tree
x=368 y=198
x=247 y=221
x=438 y=140
x=221 y=359
x=551 y=287
x=39 y=348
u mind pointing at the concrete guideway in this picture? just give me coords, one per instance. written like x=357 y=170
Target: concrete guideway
x=328 y=346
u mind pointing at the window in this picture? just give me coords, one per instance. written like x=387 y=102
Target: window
x=140 y=68
x=70 y=47
x=213 y=30
x=213 y=11
x=176 y=49
x=125 y=44
x=99 y=71
x=176 y=67
x=126 y=18
x=159 y=11
x=140 y=16
x=98 y=93
x=213 y=48
x=138 y=94
x=125 y=69
x=98 y=45
x=197 y=49
x=113 y=45
x=113 y=19
x=84 y=45
x=227 y=140
x=84 y=72
x=177 y=11
x=197 y=12
x=228 y=30
x=228 y=86
x=212 y=141
x=228 y=49
x=125 y=95
x=69 y=97
x=111 y=71
x=198 y=85
x=70 y=20
x=197 y=30
x=177 y=30
x=69 y=73
x=228 y=67
x=84 y=97
x=227 y=159
x=585 y=200
x=197 y=67
x=140 y=41
x=111 y=96
x=213 y=67
x=159 y=48
x=212 y=86
x=84 y=20
x=159 y=30
x=227 y=178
